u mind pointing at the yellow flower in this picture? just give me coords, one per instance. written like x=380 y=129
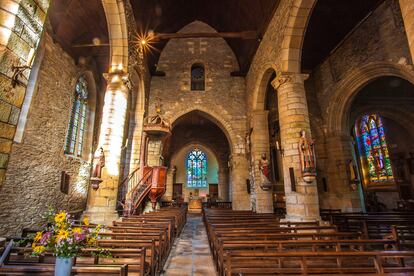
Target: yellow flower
x=77 y=230
x=62 y=234
x=61 y=217
x=86 y=221
x=92 y=241
x=38 y=236
x=39 y=249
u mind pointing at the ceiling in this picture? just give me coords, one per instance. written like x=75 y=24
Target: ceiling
x=330 y=22
x=169 y=16
x=76 y=22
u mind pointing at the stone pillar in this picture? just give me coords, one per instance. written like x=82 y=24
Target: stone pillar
x=168 y=196
x=102 y=202
x=154 y=152
x=260 y=145
x=223 y=183
x=407 y=11
x=339 y=194
x=239 y=175
x=302 y=204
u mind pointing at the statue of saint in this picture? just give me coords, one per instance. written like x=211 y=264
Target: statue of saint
x=264 y=172
x=307 y=157
x=99 y=163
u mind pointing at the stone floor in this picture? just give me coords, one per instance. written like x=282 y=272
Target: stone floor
x=190 y=254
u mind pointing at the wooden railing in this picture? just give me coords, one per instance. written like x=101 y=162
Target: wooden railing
x=137 y=189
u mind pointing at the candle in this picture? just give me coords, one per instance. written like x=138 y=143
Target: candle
x=277 y=145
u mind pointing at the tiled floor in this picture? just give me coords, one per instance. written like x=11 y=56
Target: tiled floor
x=191 y=254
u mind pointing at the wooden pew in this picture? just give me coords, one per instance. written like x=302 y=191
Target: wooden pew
x=353 y=263
x=109 y=270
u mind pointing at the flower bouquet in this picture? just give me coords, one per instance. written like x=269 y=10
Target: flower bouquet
x=64 y=239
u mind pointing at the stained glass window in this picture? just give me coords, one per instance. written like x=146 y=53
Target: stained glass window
x=77 y=123
x=196 y=169
x=197 y=77
x=373 y=149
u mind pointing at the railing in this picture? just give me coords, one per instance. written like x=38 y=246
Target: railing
x=138 y=188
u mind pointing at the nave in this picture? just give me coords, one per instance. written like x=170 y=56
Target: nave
x=221 y=241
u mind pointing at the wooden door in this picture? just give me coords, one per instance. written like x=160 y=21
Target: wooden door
x=177 y=190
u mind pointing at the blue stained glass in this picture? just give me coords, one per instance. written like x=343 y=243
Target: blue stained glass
x=77 y=121
x=196 y=169
x=373 y=149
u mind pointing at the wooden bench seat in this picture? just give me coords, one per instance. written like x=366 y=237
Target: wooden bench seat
x=40 y=270
x=354 y=263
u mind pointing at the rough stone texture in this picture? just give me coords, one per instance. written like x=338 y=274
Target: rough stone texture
x=35 y=165
x=380 y=38
x=16 y=41
x=223 y=99
x=407 y=10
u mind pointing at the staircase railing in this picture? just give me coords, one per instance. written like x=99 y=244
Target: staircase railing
x=138 y=189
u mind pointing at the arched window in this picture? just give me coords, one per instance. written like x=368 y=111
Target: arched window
x=197 y=77
x=373 y=149
x=77 y=123
x=196 y=169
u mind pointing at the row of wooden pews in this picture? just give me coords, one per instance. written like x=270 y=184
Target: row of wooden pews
x=138 y=245
x=376 y=225
x=245 y=243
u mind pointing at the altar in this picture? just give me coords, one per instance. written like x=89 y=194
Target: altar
x=195 y=204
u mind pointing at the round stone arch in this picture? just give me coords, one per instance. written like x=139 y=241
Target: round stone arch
x=291 y=53
x=259 y=93
x=118 y=34
x=348 y=88
x=213 y=116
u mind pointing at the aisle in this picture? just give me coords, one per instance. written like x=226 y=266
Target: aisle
x=190 y=254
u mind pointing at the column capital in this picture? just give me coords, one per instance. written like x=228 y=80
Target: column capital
x=117 y=80
x=284 y=78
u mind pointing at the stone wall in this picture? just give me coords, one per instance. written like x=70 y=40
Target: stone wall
x=380 y=38
x=21 y=25
x=35 y=165
x=223 y=99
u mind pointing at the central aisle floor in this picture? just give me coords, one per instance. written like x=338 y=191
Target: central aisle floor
x=190 y=254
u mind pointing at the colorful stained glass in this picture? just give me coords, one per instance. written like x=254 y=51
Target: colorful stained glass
x=77 y=123
x=373 y=149
x=196 y=169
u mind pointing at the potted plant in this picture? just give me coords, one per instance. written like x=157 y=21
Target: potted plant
x=64 y=239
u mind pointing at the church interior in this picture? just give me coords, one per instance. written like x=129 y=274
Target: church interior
x=206 y=137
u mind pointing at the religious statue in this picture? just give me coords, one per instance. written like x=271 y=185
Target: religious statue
x=307 y=157
x=99 y=163
x=264 y=173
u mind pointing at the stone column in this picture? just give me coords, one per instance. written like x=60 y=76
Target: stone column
x=302 y=204
x=407 y=11
x=339 y=194
x=223 y=183
x=239 y=175
x=260 y=145
x=168 y=196
x=102 y=202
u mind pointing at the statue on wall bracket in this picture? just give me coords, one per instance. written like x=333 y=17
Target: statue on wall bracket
x=265 y=183
x=98 y=164
x=307 y=157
